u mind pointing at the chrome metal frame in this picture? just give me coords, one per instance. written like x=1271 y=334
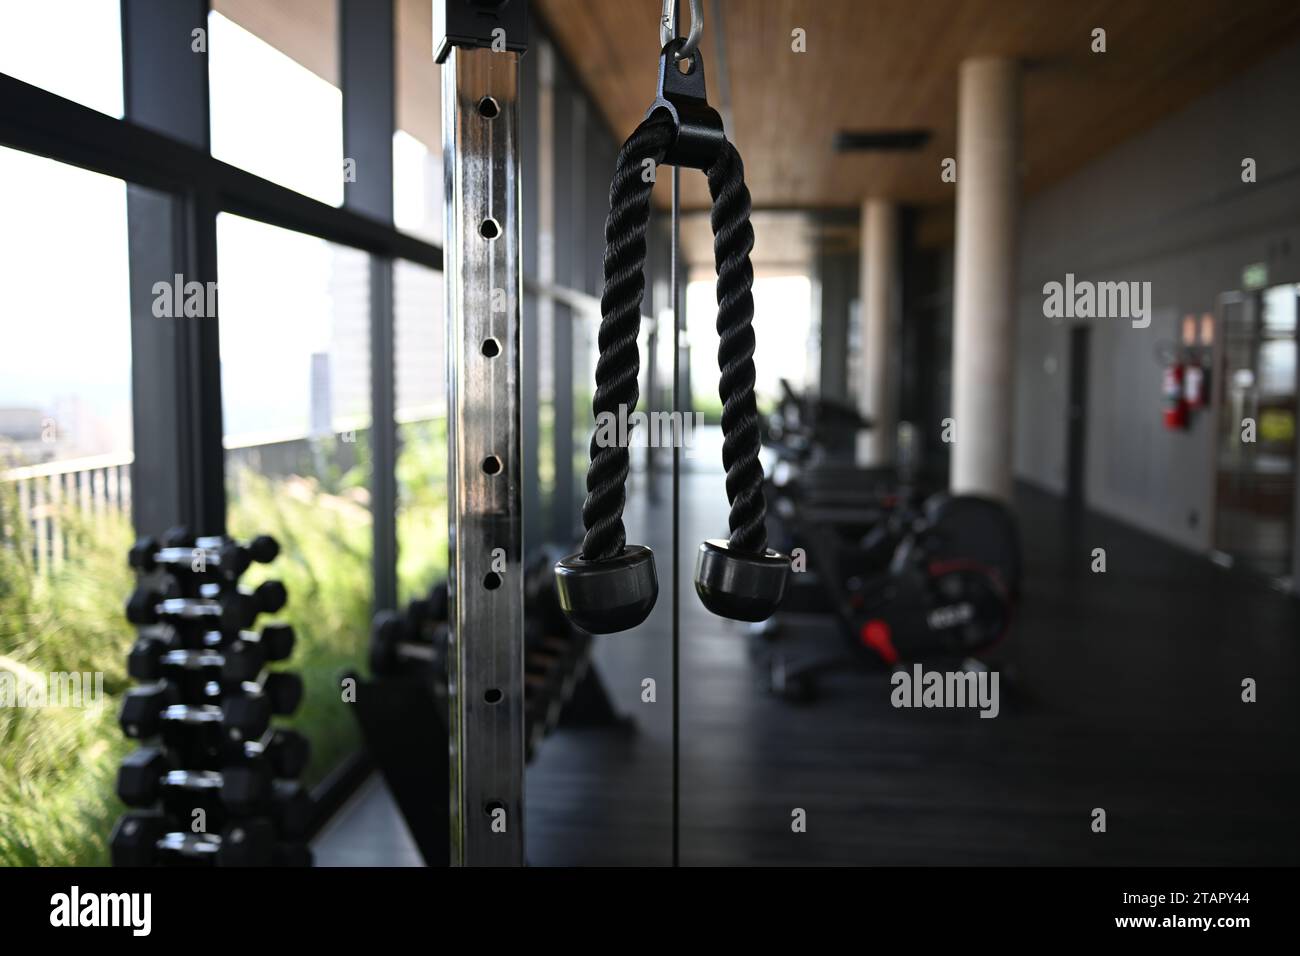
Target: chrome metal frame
x=483 y=294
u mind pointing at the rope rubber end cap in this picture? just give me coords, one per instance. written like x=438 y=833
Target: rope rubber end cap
x=609 y=595
x=738 y=585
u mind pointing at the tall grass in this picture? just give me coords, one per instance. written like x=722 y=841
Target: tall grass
x=421 y=507
x=58 y=767
x=324 y=563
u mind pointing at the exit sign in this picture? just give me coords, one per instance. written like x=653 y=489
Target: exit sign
x=1254 y=276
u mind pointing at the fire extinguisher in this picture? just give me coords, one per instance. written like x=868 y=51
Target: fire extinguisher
x=1194 y=386
x=1175 y=396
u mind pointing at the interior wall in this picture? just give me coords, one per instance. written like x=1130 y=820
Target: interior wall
x=1168 y=207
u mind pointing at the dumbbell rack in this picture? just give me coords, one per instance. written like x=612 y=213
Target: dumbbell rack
x=403 y=710
x=214 y=783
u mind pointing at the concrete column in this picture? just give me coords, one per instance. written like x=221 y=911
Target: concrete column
x=875 y=383
x=984 y=307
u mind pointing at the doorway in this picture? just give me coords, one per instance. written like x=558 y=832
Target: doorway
x=1256 y=444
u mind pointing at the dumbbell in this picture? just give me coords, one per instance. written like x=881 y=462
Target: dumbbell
x=143 y=838
x=286 y=752
x=426 y=613
x=144 y=662
x=142 y=708
x=221 y=555
x=394 y=647
x=275 y=641
x=145 y=777
x=191 y=670
x=148 y=605
x=243 y=714
x=291 y=808
x=142 y=555
x=246 y=654
x=240 y=608
x=233 y=611
x=248 y=708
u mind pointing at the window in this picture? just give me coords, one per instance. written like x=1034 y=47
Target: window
x=417 y=144
x=65 y=499
x=295 y=378
x=276 y=110
x=69 y=47
x=421 y=379
x=783 y=325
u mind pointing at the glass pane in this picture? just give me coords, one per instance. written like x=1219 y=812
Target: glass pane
x=69 y=47
x=417 y=144
x=295 y=381
x=419 y=339
x=276 y=107
x=65 y=501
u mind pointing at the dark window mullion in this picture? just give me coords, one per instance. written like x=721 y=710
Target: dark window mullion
x=367 y=77
x=178 y=476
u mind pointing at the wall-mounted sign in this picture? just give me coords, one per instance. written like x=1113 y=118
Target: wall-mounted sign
x=1254 y=276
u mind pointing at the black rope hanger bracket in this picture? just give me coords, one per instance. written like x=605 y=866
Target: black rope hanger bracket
x=609 y=585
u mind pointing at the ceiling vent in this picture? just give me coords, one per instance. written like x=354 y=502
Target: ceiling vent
x=857 y=141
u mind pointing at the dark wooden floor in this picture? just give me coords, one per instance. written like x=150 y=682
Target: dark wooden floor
x=1120 y=690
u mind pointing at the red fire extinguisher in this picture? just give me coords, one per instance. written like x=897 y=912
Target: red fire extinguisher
x=1175 y=397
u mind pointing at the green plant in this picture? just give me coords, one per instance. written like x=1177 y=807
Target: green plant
x=421 y=507
x=58 y=765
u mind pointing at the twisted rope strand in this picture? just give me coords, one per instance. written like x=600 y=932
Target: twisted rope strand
x=733 y=238
x=620 y=308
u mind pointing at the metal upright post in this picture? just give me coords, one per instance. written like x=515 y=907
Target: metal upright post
x=479 y=46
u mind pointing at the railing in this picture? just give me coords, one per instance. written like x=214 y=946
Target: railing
x=92 y=487
x=101 y=485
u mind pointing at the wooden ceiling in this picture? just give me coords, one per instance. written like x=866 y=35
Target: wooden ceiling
x=893 y=64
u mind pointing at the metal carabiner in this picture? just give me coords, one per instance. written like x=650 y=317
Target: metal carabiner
x=668 y=28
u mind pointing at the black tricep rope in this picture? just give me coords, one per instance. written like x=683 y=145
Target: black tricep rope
x=619 y=363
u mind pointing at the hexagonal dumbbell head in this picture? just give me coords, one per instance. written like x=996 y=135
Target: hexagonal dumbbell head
x=232 y=560
x=608 y=595
x=247 y=843
x=245 y=788
x=135 y=838
x=137 y=778
x=284 y=691
x=142 y=708
x=144 y=663
x=141 y=555
x=142 y=606
x=245 y=716
x=263 y=549
x=292 y=808
x=239 y=609
x=387 y=632
x=277 y=641
x=289 y=753
x=739 y=585
x=242 y=660
x=270 y=596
